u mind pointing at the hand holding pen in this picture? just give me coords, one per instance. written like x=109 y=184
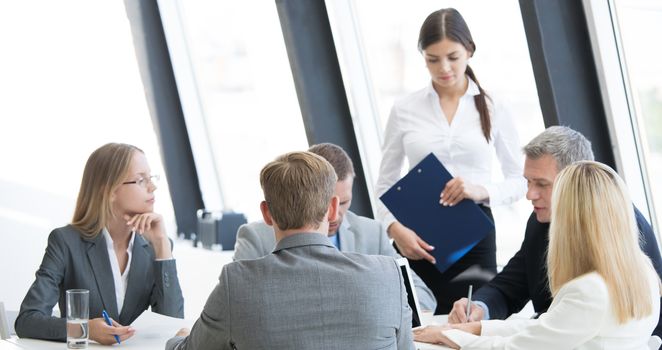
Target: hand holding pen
x=465 y=310
x=105 y=334
x=110 y=323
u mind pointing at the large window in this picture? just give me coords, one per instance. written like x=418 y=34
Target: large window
x=387 y=31
x=70 y=83
x=639 y=19
x=232 y=56
x=629 y=72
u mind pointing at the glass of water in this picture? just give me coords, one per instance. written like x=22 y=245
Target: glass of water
x=78 y=310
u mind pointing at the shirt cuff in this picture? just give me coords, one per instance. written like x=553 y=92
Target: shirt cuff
x=504 y=327
x=493 y=195
x=387 y=221
x=164 y=259
x=486 y=310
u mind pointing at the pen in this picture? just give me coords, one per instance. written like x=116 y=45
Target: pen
x=105 y=317
x=471 y=287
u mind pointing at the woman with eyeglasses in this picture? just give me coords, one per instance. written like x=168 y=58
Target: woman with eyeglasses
x=116 y=247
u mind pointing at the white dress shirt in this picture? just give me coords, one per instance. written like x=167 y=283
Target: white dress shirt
x=417 y=126
x=120 y=279
x=580 y=317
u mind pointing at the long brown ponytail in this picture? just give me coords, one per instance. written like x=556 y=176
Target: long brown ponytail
x=481 y=105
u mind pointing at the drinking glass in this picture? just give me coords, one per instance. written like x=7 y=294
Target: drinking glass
x=78 y=310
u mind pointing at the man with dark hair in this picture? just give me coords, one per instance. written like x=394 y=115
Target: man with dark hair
x=349 y=233
x=306 y=294
x=524 y=278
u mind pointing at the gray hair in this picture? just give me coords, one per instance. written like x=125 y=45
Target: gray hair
x=564 y=144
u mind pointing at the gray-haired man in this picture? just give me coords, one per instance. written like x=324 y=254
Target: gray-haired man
x=524 y=278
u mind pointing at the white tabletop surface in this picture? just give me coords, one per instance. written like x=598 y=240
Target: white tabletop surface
x=152 y=332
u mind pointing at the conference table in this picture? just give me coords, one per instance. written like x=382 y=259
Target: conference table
x=152 y=332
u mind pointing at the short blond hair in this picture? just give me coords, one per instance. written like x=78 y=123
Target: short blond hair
x=298 y=188
x=105 y=170
x=593 y=229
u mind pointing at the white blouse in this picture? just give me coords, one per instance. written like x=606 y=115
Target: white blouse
x=417 y=126
x=120 y=279
x=580 y=317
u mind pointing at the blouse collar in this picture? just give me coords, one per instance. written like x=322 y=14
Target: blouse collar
x=472 y=89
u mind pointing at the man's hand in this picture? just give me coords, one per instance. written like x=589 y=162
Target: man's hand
x=409 y=244
x=459 y=312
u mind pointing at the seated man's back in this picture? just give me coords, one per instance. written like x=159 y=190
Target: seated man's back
x=306 y=295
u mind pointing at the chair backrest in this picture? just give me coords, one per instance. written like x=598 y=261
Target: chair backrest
x=4 y=323
x=654 y=342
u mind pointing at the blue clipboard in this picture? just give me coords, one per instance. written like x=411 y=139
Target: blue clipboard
x=453 y=231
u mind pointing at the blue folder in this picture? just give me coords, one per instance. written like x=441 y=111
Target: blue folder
x=453 y=231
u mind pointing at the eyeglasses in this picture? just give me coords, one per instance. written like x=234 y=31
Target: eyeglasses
x=144 y=181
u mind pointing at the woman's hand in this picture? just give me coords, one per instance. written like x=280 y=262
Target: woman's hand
x=409 y=244
x=457 y=189
x=434 y=335
x=104 y=334
x=474 y=328
x=151 y=227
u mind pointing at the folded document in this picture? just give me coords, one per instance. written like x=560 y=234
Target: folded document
x=453 y=231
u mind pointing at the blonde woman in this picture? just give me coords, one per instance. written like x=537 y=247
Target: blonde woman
x=116 y=247
x=606 y=292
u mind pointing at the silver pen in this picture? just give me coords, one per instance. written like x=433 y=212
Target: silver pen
x=471 y=287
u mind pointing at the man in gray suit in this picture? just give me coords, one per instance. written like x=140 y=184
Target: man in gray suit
x=306 y=294
x=349 y=233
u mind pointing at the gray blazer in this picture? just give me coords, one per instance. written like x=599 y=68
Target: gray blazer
x=306 y=295
x=357 y=234
x=72 y=261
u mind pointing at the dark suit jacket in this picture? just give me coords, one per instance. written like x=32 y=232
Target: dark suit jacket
x=74 y=262
x=524 y=278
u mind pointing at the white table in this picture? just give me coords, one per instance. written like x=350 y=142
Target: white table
x=152 y=332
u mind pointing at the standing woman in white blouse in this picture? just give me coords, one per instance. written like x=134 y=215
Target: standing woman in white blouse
x=454 y=118
x=116 y=247
x=606 y=292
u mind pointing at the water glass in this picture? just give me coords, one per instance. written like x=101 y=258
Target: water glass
x=78 y=310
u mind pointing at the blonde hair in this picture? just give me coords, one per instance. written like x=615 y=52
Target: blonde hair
x=105 y=170
x=298 y=188
x=593 y=229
